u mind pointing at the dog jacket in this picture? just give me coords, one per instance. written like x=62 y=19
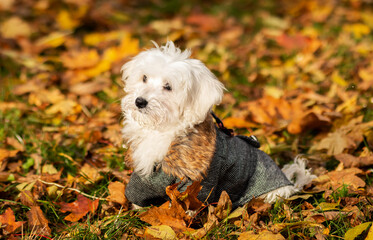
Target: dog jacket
x=238 y=167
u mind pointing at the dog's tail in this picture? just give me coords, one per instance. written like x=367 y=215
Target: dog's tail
x=298 y=174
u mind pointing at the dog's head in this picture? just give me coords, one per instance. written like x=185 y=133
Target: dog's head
x=166 y=88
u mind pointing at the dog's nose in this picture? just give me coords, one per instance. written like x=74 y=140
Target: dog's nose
x=141 y=102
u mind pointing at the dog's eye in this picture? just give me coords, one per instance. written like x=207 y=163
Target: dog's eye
x=167 y=87
x=144 y=78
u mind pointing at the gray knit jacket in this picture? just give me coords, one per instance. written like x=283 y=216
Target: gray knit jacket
x=238 y=167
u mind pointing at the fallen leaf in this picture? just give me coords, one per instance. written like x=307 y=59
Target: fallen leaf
x=224 y=206
x=207 y=23
x=15 y=143
x=89 y=174
x=349 y=160
x=65 y=107
x=263 y=235
x=38 y=222
x=357 y=29
x=65 y=20
x=15 y=27
x=90 y=87
x=337 y=179
x=234 y=122
x=78 y=208
x=292 y=43
x=335 y=143
x=8 y=220
x=161 y=232
x=4 y=153
x=80 y=59
x=174 y=214
x=116 y=191
x=353 y=233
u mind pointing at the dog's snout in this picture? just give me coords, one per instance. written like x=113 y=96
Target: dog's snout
x=141 y=102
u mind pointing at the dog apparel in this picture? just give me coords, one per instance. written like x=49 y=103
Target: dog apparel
x=237 y=167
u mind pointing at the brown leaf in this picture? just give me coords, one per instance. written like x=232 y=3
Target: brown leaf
x=15 y=143
x=337 y=179
x=78 y=208
x=90 y=87
x=27 y=198
x=308 y=120
x=212 y=222
x=207 y=23
x=349 y=160
x=224 y=206
x=37 y=221
x=116 y=191
x=8 y=220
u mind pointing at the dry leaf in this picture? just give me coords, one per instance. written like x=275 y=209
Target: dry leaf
x=78 y=208
x=8 y=220
x=349 y=160
x=4 y=153
x=353 y=233
x=337 y=179
x=37 y=221
x=82 y=59
x=15 y=27
x=89 y=174
x=263 y=235
x=161 y=232
x=116 y=191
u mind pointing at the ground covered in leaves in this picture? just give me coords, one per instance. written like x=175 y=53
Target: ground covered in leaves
x=299 y=75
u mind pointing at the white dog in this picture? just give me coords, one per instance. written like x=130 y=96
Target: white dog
x=171 y=136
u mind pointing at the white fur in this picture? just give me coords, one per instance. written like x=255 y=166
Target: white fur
x=298 y=174
x=195 y=90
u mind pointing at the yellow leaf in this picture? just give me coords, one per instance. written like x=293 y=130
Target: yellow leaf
x=161 y=232
x=353 y=233
x=93 y=39
x=357 y=29
x=80 y=59
x=264 y=235
x=338 y=79
x=53 y=40
x=66 y=107
x=65 y=21
x=366 y=74
x=49 y=169
x=15 y=27
x=324 y=206
x=90 y=174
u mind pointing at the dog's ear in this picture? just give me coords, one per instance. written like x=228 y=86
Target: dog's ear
x=206 y=92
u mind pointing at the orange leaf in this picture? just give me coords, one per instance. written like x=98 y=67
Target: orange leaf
x=234 y=122
x=175 y=215
x=9 y=220
x=116 y=191
x=4 y=153
x=79 y=208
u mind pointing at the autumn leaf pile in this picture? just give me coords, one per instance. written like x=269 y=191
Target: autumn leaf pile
x=299 y=76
